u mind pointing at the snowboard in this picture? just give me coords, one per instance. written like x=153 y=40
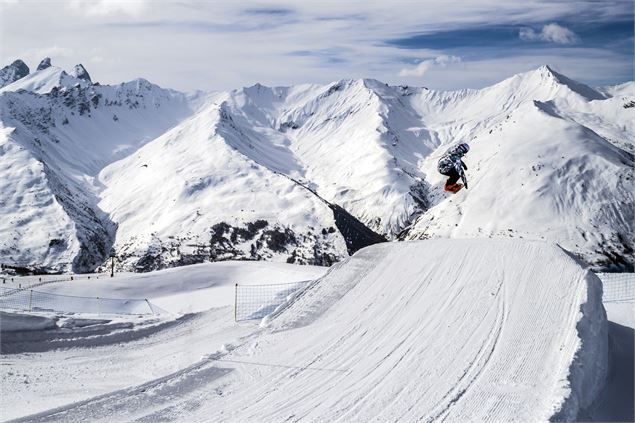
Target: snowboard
x=453 y=188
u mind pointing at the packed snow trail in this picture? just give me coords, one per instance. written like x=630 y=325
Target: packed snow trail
x=90 y=355
x=80 y=369
x=439 y=330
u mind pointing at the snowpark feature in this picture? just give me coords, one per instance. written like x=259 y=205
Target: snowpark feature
x=455 y=330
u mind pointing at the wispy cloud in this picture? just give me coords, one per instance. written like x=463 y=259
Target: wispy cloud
x=551 y=33
x=199 y=25
x=269 y=11
x=108 y=7
x=425 y=65
x=197 y=44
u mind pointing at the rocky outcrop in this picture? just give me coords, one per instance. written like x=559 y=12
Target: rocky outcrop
x=45 y=63
x=80 y=72
x=257 y=240
x=13 y=72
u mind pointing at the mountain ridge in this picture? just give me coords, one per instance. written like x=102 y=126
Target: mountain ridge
x=164 y=178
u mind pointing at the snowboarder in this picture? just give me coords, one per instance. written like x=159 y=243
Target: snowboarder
x=450 y=164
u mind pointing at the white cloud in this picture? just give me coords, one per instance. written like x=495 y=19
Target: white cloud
x=218 y=44
x=107 y=7
x=425 y=65
x=552 y=33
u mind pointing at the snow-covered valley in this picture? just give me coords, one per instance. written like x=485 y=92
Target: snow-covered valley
x=161 y=178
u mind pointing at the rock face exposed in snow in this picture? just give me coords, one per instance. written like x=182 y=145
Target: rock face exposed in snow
x=45 y=63
x=242 y=174
x=13 y=72
x=80 y=72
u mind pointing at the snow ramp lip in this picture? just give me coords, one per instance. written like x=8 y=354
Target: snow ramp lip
x=463 y=330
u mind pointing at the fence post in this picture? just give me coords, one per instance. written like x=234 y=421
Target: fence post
x=30 y=299
x=235 y=302
x=149 y=306
x=98 y=311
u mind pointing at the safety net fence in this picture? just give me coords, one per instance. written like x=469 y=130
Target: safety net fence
x=253 y=302
x=31 y=300
x=618 y=287
x=30 y=282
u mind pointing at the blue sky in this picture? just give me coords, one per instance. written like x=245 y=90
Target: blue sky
x=219 y=45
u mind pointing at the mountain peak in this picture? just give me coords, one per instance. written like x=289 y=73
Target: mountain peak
x=80 y=72
x=11 y=73
x=45 y=63
x=545 y=75
x=21 y=66
x=575 y=86
x=546 y=68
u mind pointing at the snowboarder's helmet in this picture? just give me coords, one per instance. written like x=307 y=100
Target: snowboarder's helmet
x=463 y=148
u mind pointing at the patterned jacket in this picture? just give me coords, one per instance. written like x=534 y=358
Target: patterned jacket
x=452 y=160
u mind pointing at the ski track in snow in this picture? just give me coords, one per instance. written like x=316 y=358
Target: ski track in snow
x=469 y=330
x=124 y=362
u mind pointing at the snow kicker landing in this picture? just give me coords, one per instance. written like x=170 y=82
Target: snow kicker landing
x=468 y=330
x=438 y=330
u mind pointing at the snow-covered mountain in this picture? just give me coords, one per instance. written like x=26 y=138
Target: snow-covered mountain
x=11 y=73
x=58 y=132
x=163 y=178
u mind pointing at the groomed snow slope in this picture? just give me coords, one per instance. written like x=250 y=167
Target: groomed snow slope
x=82 y=356
x=455 y=330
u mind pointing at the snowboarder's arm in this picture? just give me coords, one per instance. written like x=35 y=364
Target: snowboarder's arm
x=464 y=165
x=458 y=166
x=464 y=178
